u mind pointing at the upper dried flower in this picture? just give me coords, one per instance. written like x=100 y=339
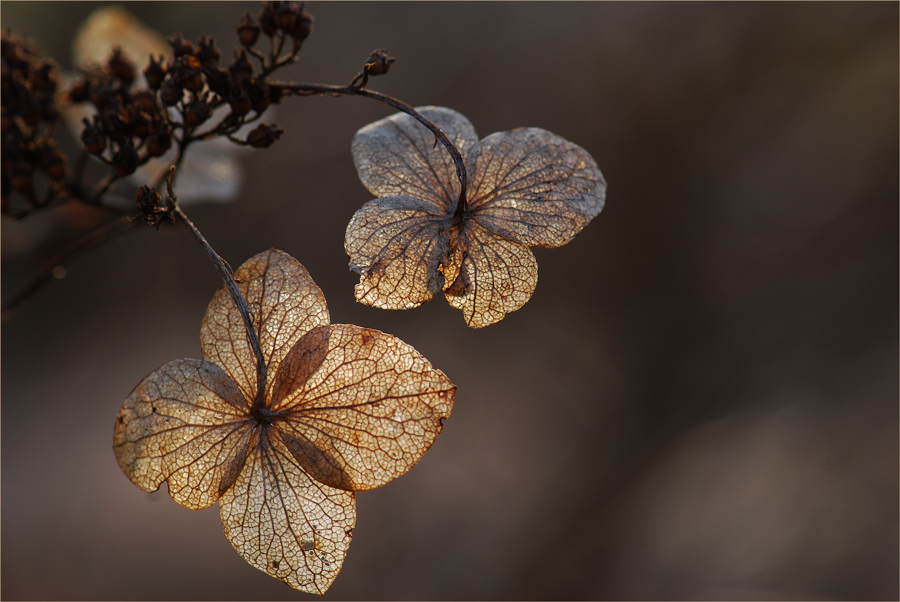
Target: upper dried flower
x=527 y=188
x=344 y=409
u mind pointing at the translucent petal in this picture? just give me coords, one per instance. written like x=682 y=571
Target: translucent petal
x=495 y=276
x=285 y=523
x=398 y=156
x=186 y=423
x=396 y=245
x=534 y=187
x=370 y=411
x=285 y=304
x=112 y=26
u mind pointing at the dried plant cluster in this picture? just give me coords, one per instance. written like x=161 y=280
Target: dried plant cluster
x=287 y=415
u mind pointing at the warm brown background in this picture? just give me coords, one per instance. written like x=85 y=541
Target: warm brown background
x=700 y=400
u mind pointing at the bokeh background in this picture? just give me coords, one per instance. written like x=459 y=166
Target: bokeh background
x=699 y=401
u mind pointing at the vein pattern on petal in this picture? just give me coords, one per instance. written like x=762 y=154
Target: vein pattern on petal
x=285 y=523
x=187 y=423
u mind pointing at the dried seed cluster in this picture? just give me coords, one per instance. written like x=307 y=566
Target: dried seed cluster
x=29 y=115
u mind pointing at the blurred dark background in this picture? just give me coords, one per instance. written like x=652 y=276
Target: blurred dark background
x=699 y=401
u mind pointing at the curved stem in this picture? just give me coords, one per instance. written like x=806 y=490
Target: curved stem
x=55 y=269
x=302 y=88
x=256 y=410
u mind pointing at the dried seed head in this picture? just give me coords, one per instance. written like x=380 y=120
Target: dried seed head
x=259 y=96
x=80 y=91
x=155 y=73
x=188 y=73
x=43 y=78
x=125 y=161
x=240 y=103
x=197 y=112
x=151 y=208
x=159 y=142
x=121 y=67
x=207 y=53
x=248 y=31
x=170 y=93
x=266 y=19
x=303 y=25
x=264 y=135
x=92 y=137
x=180 y=47
x=241 y=68
x=285 y=15
x=379 y=62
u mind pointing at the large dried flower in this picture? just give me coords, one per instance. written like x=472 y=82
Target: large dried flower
x=345 y=409
x=527 y=188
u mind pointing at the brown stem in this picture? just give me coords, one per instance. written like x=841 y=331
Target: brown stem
x=303 y=88
x=55 y=269
x=256 y=410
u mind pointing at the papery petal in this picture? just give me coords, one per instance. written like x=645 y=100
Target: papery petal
x=398 y=156
x=396 y=245
x=495 y=276
x=112 y=26
x=370 y=411
x=285 y=523
x=534 y=187
x=285 y=304
x=187 y=423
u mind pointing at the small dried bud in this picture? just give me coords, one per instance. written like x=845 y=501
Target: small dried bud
x=159 y=142
x=303 y=26
x=146 y=198
x=259 y=96
x=121 y=67
x=197 y=112
x=145 y=101
x=151 y=208
x=267 y=19
x=241 y=68
x=116 y=123
x=188 y=73
x=44 y=77
x=140 y=123
x=92 y=136
x=103 y=92
x=154 y=73
x=264 y=135
x=379 y=62
x=207 y=53
x=220 y=82
x=170 y=93
x=80 y=91
x=125 y=161
x=180 y=47
x=248 y=31
x=285 y=16
x=240 y=103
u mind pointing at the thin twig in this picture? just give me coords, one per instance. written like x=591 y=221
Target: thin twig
x=104 y=233
x=228 y=277
x=305 y=88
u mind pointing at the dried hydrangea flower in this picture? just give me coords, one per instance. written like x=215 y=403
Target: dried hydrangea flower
x=346 y=409
x=527 y=188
